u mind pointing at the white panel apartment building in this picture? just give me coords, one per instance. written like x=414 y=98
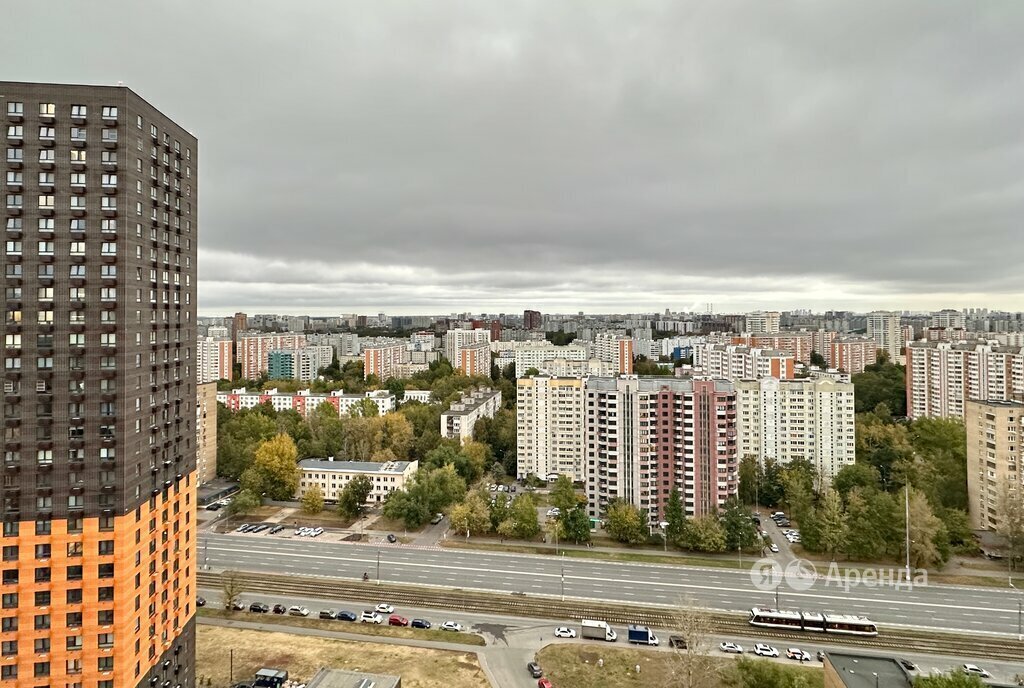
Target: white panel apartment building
x=215 y=359
x=884 y=328
x=254 y=350
x=536 y=354
x=737 y=362
x=459 y=420
x=943 y=376
x=455 y=339
x=790 y=419
x=616 y=349
x=549 y=426
x=382 y=358
x=762 y=322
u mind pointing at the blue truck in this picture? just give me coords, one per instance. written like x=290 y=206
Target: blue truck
x=641 y=635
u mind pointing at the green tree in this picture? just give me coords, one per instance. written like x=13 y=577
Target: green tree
x=862 y=475
x=440 y=488
x=818 y=360
x=882 y=445
x=953 y=679
x=575 y=525
x=675 y=532
x=353 y=496
x=926 y=534
x=471 y=516
x=238 y=437
x=753 y=673
x=313 y=500
x=798 y=495
x=499 y=510
x=626 y=523
x=405 y=506
x=275 y=461
x=863 y=542
x=523 y=514
x=563 y=494
x=244 y=502
x=880 y=383
x=705 y=534
x=832 y=523
x=738 y=526
x=367 y=408
x=751 y=476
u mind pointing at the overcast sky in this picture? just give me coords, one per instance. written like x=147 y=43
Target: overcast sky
x=429 y=157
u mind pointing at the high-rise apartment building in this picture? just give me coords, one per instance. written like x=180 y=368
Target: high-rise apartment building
x=382 y=358
x=851 y=354
x=615 y=349
x=299 y=364
x=884 y=328
x=763 y=322
x=941 y=377
x=460 y=419
x=457 y=338
x=549 y=426
x=214 y=359
x=532 y=320
x=949 y=317
x=475 y=359
x=644 y=436
x=253 y=352
x=733 y=362
x=206 y=432
x=99 y=415
x=536 y=354
x=797 y=419
x=995 y=430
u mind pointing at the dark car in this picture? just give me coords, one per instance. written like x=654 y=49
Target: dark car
x=420 y=623
x=259 y=608
x=213 y=507
x=677 y=641
x=200 y=601
x=391 y=538
x=276 y=529
x=280 y=609
x=328 y=614
x=534 y=669
x=347 y=616
x=238 y=606
x=907 y=664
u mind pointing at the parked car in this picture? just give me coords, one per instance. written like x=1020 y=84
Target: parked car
x=214 y=507
x=451 y=626
x=764 y=650
x=385 y=608
x=200 y=601
x=436 y=519
x=907 y=664
x=534 y=669
x=259 y=608
x=370 y=616
x=347 y=616
x=821 y=655
x=317 y=532
x=773 y=548
x=565 y=632
x=391 y=538
x=798 y=654
x=242 y=528
x=276 y=529
x=280 y=609
x=420 y=623
x=975 y=670
x=543 y=683
x=731 y=648
x=297 y=610
x=328 y=614
x=238 y=606
x=677 y=641
x=396 y=620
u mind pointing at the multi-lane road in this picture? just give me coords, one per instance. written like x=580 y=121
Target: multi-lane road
x=975 y=610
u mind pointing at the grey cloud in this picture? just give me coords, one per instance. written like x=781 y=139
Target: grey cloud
x=461 y=155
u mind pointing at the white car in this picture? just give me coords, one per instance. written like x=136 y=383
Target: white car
x=451 y=626
x=385 y=608
x=773 y=548
x=298 y=611
x=798 y=654
x=975 y=670
x=565 y=632
x=369 y=616
x=317 y=532
x=731 y=648
x=762 y=650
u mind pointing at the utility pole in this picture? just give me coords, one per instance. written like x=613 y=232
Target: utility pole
x=563 y=584
x=777 y=607
x=907 y=506
x=378 y=567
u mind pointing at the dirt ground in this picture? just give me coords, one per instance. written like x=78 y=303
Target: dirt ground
x=303 y=656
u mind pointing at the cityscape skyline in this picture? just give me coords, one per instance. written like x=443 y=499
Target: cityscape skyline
x=624 y=158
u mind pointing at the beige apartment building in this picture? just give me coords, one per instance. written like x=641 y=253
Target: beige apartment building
x=942 y=376
x=332 y=476
x=549 y=426
x=206 y=432
x=995 y=430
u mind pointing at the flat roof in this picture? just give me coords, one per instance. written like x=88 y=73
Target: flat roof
x=355 y=466
x=868 y=671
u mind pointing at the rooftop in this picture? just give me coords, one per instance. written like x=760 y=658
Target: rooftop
x=867 y=671
x=355 y=466
x=338 y=678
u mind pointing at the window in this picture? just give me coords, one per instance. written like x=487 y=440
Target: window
x=47 y=155
x=108 y=203
x=74 y=642
x=108 y=180
x=105 y=640
x=74 y=596
x=42 y=598
x=14 y=155
x=15 y=131
x=41 y=621
x=15 y=108
x=74 y=549
x=78 y=271
x=10 y=600
x=109 y=112
x=46 y=224
x=106 y=547
x=42 y=527
x=77 y=179
x=77 y=225
x=78 y=133
x=108 y=157
x=105 y=664
x=77 y=294
x=15 y=201
x=109 y=271
x=105 y=617
x=78 y=202
x=14 y=224
x=78 y=156
x=8 y=671
x=77 y=248
x=42 y=551
x=45 y=202
x=109 y=135
x=42 y=668
x=47 y=109
x=78 y=111
x=15 y=178
x=9 y=648
x=105 y=571
x=45 y=271
x=108 y=225
x=13 y=248
x=47 y=133
x=74 y=619
x=108 y=339
x=45 y=248
x=108 y=294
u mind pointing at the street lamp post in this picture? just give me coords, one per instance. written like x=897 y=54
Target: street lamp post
x=378 y=567
x=563 y=584
x=777 y=595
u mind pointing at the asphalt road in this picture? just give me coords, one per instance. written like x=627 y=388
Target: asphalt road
x=514 y=641
x=975 y=610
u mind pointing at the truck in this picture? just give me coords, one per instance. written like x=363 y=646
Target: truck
x=597 y=630
x=641 y=635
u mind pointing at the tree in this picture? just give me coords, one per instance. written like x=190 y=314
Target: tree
x=831 y=521
x=705 y=534
x=499 y=510
x=244 y=502
x=231 y=587
x=751 y=475
x=575 y=524
x=881 y=382
x=626 y=523
x=523 y=513
x=882 y=445
x=675 y=532
x=753 y=673
x=926 y=533
x=275 y=462
x=818 y=360
x=954 y=679
x=563 y=494
x=692 y=666
x=862 y=538
x=471 y=516
x=862 y=475
x=798 y=495
x=403 y=505
x=313 y=500
x=353 y=496
x=237 y=439
x=737 y=524
x=1011 y=525
x=367 y=408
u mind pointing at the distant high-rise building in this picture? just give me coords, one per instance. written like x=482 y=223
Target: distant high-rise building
x=615 y=349
x=851 y=354
x=549 y=427
x=457 y=338
x=475 y=359
x=763 y=322
x=733 y=362
x=99 y=488
x=254 y=351
x=206 y=432
x=532 y=320
x=884 y=328
x=948 y=317
x=941 y=377
x=994 y=454
x=382 y=358
x=214 y=360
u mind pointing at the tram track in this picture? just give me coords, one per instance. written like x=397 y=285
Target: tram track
x=890 y=639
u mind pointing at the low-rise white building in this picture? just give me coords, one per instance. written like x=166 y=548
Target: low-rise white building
x=332 y=476
x=421 y=395
x=459 y=420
